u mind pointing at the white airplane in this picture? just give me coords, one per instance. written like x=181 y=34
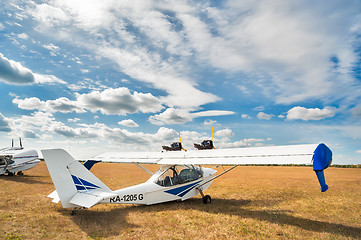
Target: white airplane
x=177 y=178
x=16 y=160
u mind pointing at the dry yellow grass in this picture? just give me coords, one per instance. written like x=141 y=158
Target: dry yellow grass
x=248 y=203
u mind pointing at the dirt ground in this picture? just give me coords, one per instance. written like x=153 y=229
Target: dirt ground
x=247 y=203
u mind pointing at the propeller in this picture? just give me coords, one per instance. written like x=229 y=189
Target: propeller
x=180 y=140
x=212 y=138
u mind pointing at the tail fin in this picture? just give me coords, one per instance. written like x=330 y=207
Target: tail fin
x=71 y=180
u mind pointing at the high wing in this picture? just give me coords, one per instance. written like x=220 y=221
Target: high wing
x=131 y=157
x=320 y=156
x=291 y=154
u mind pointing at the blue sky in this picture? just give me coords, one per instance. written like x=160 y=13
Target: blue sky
x=94 y=76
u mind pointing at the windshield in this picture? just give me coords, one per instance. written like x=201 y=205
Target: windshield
x=178 y=175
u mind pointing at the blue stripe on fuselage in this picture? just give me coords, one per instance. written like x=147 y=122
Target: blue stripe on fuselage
x=183 y=190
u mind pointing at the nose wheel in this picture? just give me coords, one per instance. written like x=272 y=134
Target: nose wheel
x=205 y=198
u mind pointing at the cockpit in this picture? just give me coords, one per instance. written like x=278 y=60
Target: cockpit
x=6 y=160
x=178 y=175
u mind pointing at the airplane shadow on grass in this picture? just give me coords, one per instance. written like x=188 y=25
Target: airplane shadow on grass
x=113 y=222
x=25 y=179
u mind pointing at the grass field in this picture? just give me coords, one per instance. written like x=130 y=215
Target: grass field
x=247 y=203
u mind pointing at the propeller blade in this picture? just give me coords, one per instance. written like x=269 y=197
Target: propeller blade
x=180 y=140
x=212 y=139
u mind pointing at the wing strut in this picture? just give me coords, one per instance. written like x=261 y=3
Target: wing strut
x=7 y=160
x=151 y=173
x=225 y=171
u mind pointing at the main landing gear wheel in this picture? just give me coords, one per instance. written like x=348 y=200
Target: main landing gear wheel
x=207 y=199
x=20 y=173
x=11 y=174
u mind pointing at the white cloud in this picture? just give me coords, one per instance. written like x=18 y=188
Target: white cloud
x=51 y=47
x=62 y=104
x=49 y=15
x=122 y=47
x=23 y=36
x=74 y=120
x=12 y=72
x=128 y=123
x=4 y=124
x=264 y=116
x=279 y=45
x=50 y=79
x=244 y=90
x=119 y=101
x=210 y=122
x=28 y=133
x=250 y=142
x=181 y=116
x=171 y=116
x=224 y=133
x=212 y=113
x=259 y=108
x=310 y=114
x=246 y=116
x=54 y=50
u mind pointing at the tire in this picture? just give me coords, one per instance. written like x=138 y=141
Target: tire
x=207 y=199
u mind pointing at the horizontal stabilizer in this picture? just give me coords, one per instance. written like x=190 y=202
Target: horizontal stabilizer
x=90 y=198
x=54 y=195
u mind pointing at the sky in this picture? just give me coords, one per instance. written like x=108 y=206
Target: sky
x=94 y=76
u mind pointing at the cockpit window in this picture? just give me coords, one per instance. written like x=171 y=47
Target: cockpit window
x=178 y=175
x=4 y=160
